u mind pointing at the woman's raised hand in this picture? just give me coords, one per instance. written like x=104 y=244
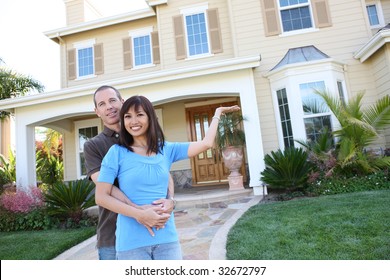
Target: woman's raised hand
x=222 y=110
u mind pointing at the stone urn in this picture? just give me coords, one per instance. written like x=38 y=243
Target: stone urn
x=233 y=158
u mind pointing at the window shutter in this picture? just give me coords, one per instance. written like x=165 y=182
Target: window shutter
x=271 y=17
x=127 y=61
x=72 y=64
x=155 y=47
x=178 y=26
x=214 y=31
x=98 y=53
x=321 y=13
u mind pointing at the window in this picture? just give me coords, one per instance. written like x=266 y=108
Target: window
x=375 y=15
x=300 y=113
x=340 y=89
x=316 y=112
x=85 y=131
x=197 y=39
x=85 y=60
x=295 y=14
x=197 y=32
x=285 y=118
x=141 y=49
x=287 y=16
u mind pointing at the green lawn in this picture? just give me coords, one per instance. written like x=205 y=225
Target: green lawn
x=354 y=226
x=40 y=245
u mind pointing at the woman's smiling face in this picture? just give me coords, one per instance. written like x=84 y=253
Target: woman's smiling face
x=136 y=121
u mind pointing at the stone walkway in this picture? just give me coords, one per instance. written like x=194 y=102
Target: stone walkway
x=203 y=220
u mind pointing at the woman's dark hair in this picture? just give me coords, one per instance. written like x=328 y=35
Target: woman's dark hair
x=155 y=135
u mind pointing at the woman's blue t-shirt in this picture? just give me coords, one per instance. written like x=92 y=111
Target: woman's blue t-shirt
x=143 y=179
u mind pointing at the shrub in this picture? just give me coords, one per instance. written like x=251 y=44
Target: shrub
x=335 y=185
x=288 y=169
x=67 y=201
x=21 y=201
x=50 y=169
x=37 y=219
x=21 y=210
x=3 y=181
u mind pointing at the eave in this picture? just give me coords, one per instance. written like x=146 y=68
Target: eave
x=373 y=45
x=99 y=23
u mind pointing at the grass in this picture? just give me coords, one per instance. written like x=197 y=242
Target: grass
x=354 y=226
x=40 y=245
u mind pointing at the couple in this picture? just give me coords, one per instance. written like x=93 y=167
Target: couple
x=138 y=159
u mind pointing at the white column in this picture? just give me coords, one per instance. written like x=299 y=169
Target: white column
x=25 y=156
x=254 y=141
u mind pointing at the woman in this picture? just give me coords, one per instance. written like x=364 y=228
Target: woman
x=141 y=163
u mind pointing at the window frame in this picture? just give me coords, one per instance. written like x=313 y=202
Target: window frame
x=296 y=31
x=134 y=34
x=80 y=125
x=85 y=45
x=379 y=11
x=202 y=9
x=314 y=115
x=286 y=137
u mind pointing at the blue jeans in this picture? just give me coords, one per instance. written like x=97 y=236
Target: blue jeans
x=167 y=251
x=107 y=253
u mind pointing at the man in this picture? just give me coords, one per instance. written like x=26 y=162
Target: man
x=108 y=103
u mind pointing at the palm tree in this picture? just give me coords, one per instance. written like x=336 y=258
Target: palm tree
x=358 y=129
x=13 y=84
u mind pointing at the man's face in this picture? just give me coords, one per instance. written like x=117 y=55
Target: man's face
x=108 y=106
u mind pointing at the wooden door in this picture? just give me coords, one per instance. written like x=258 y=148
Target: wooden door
x=207 y=167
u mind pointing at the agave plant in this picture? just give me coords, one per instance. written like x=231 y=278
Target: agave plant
x=69 y=200
x=288 y=169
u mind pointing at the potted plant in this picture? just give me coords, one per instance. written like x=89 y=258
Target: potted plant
x=231 y=141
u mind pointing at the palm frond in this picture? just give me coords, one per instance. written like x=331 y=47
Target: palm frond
x=378 y=115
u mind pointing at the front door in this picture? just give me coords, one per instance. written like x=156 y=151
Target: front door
x=207 y=167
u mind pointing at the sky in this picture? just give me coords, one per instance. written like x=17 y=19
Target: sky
x=23 y=45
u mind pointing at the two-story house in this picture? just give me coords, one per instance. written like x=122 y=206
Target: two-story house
x=188 y=57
